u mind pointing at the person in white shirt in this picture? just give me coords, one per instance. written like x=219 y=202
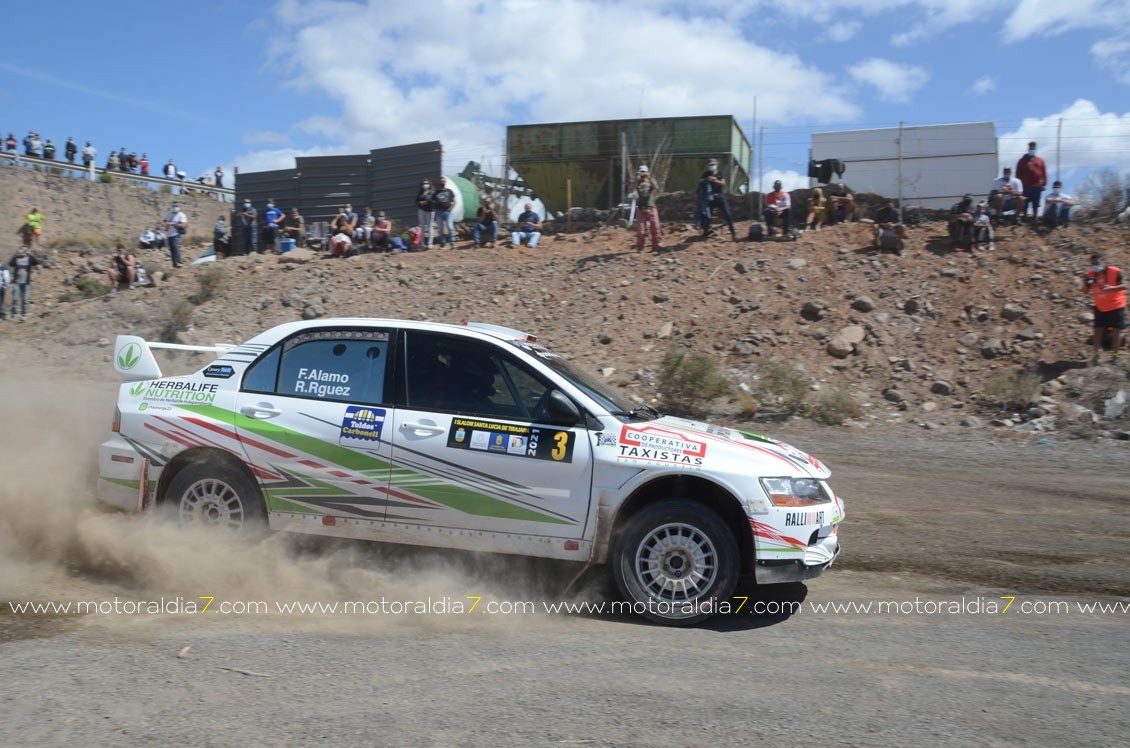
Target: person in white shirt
x=176 y=225
x=1008 y=194
x=1057 y=210
x=146 y=240
x=778 y=205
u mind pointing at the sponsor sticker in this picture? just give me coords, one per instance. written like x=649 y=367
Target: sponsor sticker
x=166 y=391
x=605 y=440
x=219 y=371
x=653 y=444
x=534 y=442
x=361 y=427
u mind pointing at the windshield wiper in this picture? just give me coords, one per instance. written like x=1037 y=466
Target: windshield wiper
x=643 y=412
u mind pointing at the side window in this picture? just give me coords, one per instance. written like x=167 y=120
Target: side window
x=530 y=391
x=456 y=375
x=341 y=365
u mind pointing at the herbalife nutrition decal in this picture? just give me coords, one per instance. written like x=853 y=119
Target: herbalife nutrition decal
x=176 y=392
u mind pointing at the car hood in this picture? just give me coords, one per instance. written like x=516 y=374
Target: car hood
x=743 y=445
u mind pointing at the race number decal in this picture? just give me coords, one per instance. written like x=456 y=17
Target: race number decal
x=534 y=442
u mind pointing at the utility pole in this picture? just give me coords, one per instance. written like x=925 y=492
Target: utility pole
x=900 y=166
x=1058 y=133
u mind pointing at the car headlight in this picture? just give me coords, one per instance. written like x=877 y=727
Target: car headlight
x=794 y=491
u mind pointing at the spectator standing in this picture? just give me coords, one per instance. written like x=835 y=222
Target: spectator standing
x=647 y=212
x=49 y=150
x=445 y=221
x=485 y=221
x=11 y=145
x=528 y=228
x=294 y=227
x=272 y=225
x=778 y=205
x=121 y=269
x=248 y=227
x=425 y=207
x=70 y=150
x=382 y=231
x=176 y=226
x=21 y=265
x=1007 y=193
x=123 y=160
x=1058 y=206
x=221 y=244
x=219 y=175
x=143 y=164
x=34 y=227
x=113 y=163
x=33 y=145
x=89 y=153
x=5 y=281
x=1107 y=288
x=713 y=195
x=1033 y=175
x=817 y=204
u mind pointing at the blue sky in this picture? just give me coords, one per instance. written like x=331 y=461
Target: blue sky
x=255 y=84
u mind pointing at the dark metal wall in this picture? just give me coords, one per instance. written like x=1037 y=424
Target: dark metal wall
x=382 y=179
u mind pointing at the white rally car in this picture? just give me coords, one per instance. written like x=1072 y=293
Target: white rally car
x=471 y=437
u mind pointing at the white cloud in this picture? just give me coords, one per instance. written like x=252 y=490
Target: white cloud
x=983 y=85
x=1052 y=17
x=1089 y=139
x=790 y=180
x=843 y=31
x=893 y=81
x=266 y=137
x=399 y=75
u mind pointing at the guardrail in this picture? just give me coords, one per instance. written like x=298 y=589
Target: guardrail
x=177 y=186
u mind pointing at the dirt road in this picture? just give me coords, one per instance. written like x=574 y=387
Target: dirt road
x=945 y=533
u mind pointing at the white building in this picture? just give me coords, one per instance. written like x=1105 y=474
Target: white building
x=933 y=168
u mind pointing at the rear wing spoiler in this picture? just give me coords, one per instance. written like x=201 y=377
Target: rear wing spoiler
x=133 y=356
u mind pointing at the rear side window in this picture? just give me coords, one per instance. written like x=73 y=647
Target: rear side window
x=346 y=366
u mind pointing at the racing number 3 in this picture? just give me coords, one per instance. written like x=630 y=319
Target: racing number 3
x=561 y=441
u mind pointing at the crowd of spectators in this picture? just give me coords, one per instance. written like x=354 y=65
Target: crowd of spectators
x=121 y=160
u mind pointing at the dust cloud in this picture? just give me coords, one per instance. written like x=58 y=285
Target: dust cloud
x=58 y=544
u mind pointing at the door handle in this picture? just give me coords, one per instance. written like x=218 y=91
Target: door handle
x=260 y=411
x=426 y=428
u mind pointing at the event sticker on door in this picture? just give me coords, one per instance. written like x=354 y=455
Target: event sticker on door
x=653 y=444
x=361 y=427
x=511 y=439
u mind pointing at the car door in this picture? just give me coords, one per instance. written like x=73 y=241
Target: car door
x=312 y=418
x=472 y=436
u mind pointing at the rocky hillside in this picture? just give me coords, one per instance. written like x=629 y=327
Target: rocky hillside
x=931 y=338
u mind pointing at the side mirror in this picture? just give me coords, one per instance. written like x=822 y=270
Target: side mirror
x=561 y=410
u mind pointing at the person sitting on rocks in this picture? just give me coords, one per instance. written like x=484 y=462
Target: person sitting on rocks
x=888 y=229
x=146 y=240
x=528 y=229
x=120 y=271
x=841 y=204
x=1007 y=194
x=817 y=204
x=382 y=232
x=486 y=222
x=982 y=228
x=778 y=206
x=1057 y=210
x=961 y=222
x=294 y=227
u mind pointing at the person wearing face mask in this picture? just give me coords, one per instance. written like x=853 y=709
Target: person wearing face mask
x=425 y=209
x=1033 y=174
x=21 y=266
x=1107 y=288
x=247 y=221
x=272 y=218
x=176 y=226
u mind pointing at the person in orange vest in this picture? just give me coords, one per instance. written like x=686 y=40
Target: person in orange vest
x=1108 y=291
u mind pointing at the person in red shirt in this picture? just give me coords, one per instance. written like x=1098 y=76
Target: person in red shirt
x=1108 y=291
x=1033 y=174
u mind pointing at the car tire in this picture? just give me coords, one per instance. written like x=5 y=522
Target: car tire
x=211 y=495
x=675 y=562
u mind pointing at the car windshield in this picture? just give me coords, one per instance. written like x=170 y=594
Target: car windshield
x=616 y=403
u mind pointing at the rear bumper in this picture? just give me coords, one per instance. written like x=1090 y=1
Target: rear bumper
x=125 y=481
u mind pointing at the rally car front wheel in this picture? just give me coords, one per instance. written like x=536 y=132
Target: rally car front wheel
x=210 y=495
x=675 y=562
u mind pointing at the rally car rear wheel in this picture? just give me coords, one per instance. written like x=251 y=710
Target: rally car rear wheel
x=675 y=561
x=218 y=496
